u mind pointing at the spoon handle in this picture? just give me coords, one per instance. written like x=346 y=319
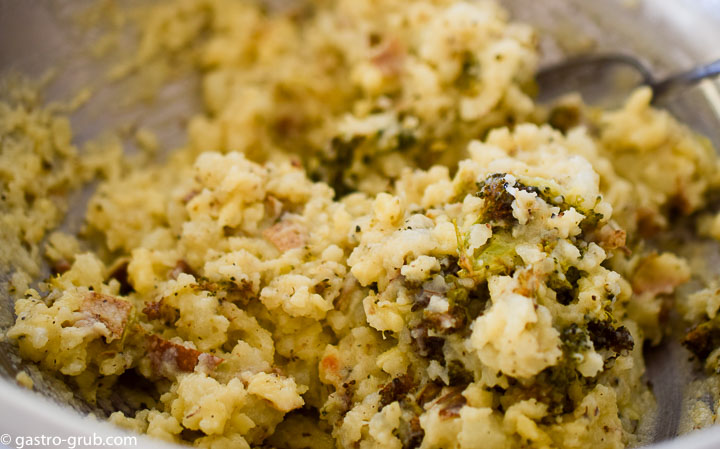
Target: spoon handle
x=686 y=78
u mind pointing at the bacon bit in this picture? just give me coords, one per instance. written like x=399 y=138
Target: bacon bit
x=113 y=312
x=659 y=274
x=153 y=309
x=610 y=238
x=451 y=403
x=415 y=434
x=118 y=271
x=181 y=267
x=389 y=58
x=60 y=266
x=395 y=390
x=429 y=392
x=189 y=196
x=168 y=358
x=285 y=235
x=296 y=163
x=156 y=310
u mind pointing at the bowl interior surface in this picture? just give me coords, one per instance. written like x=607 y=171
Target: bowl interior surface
x=669 y=35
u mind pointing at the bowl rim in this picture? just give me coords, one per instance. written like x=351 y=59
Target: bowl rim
x=26 y=413
x=23 y=412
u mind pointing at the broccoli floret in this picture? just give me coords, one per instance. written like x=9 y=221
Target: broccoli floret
x=703 y=338
x=564 y=117
x=574 y=339
x=459 y=376
x=497 y=208
x=468 y=79
x=553 y=387
x=396 y=390
x=411 y=433
x=606 y=336
x=341 y=155
x=498 y=256
x=425 y=344
x=565 y=288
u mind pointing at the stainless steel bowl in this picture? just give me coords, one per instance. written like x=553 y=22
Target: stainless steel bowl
x=668 y=34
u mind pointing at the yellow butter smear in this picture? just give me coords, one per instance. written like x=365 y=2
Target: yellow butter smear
x=373 y=237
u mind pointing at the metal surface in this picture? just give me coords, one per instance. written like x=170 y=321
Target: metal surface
x=597 y=76
x=667 y=35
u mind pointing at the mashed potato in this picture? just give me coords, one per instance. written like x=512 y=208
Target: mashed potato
x=373 y=238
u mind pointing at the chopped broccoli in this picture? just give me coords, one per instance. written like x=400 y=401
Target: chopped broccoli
x=565 y=117
x=498 y=201
x=606 y=336
x=498 y=256
x=703 y=338
x=565 y=287
x=396 y=389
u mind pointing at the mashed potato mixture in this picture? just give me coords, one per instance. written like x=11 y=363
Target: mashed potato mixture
x=374 y=238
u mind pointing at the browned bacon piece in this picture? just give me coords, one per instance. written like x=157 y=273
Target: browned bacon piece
x=169 y=358
x=285 y=235
x=113 y=312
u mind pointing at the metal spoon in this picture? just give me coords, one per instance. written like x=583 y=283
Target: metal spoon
x=605 y=78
